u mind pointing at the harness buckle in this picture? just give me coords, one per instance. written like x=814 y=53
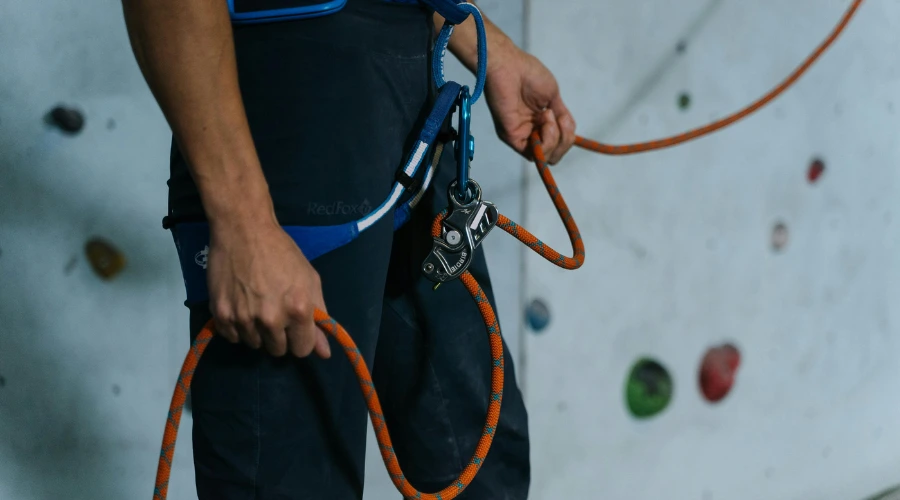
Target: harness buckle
x=462 y=231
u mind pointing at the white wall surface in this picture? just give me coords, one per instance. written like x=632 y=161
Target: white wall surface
x=679 y=257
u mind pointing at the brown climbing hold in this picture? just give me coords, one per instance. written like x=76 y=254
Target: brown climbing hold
x=106 y=259
x=717 y=372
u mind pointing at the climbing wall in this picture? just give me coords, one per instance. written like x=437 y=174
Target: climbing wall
x=761 y=261
x=88 y=355
x=729 y=337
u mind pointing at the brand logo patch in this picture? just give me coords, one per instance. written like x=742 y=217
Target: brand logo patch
x=202 y=257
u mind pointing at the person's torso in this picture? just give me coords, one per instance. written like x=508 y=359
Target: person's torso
x=332 y=102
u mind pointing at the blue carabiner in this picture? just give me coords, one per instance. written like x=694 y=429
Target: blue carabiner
x=465 y=146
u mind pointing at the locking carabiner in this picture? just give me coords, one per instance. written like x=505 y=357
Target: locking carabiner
x=465 y=146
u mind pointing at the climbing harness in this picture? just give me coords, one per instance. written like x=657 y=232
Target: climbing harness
x=271 y=11
x=268 y=11
x=192 y=238
x=456 y=232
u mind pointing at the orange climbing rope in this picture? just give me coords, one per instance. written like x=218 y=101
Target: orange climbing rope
x=334 y=329
x=728 y=120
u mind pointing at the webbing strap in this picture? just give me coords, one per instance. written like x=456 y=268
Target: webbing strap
x=448 y=9
x=192 y=239
x=442 y=107
x=443 y=41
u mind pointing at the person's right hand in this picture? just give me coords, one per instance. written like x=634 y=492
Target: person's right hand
x=263 y=291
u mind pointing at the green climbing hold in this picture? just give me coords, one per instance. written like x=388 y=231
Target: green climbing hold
x=648 y=389
x=684 y=101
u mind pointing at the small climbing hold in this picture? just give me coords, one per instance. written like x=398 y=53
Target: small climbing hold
x=2 y=382
x=648 y=389
x=110 y=124
x=681 y=47
x=116 y=389
x=69 y=120
x=779 y=236
x=684 y=101
x=106 y=259
x=717 y=372
x=815 y=170
x=70 y=266
x=537 y=314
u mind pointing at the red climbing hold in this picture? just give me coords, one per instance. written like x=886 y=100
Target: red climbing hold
x=717 y=372
x=816 y=169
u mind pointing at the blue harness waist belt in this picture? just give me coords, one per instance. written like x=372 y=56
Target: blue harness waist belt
x=192 y=238
x=269 y=11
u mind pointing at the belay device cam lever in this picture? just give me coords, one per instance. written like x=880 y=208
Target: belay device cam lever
x=462 y=231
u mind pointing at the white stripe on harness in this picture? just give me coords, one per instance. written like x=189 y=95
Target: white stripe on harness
x=411 y=167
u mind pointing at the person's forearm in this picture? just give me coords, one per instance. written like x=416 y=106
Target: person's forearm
x=185 y=49
x=464 y=42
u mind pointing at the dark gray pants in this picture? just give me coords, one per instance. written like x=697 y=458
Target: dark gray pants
x=333 y=116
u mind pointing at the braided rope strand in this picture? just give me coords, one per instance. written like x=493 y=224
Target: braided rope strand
x=388 y=455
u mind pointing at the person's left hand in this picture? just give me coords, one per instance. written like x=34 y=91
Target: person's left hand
x=523 y=96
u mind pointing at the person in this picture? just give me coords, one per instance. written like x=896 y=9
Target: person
x=305 y=122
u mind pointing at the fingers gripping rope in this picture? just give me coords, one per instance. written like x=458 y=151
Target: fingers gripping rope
x=521 y=234
x=385 y=445
x=544 y=170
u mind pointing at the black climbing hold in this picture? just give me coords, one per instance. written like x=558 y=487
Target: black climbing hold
x=2 y=382
x=681 y=47
x=684 y=101
x=537 y=314
x=779 y=236
x=68 y=120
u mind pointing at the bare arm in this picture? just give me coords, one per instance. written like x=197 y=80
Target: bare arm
x=185 y=50
x=262 y=289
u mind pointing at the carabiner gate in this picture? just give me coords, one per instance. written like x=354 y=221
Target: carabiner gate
x=465 y=147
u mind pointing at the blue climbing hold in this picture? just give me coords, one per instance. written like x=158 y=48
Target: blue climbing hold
x=537 y=314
